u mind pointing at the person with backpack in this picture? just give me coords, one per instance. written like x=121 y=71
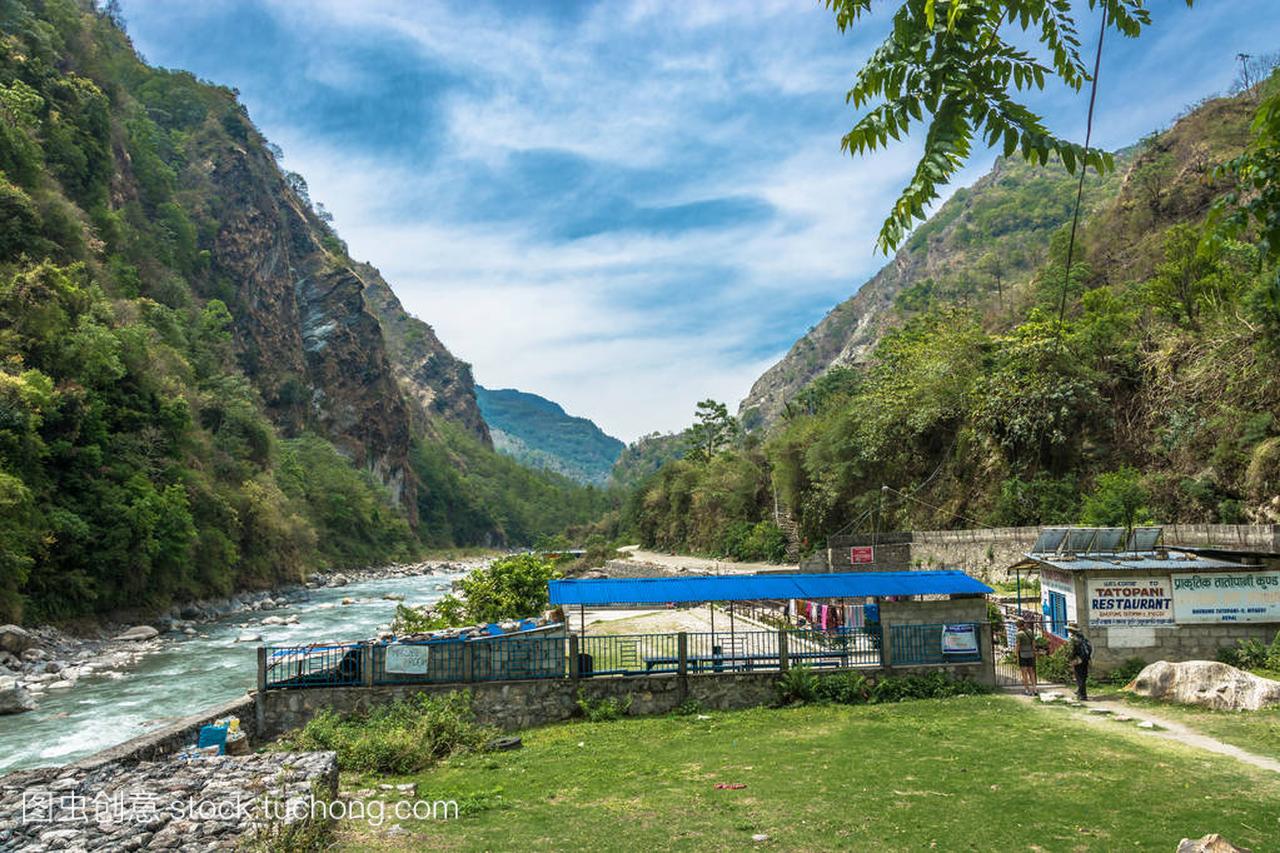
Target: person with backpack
x=1025 y=648
x=1079 y=653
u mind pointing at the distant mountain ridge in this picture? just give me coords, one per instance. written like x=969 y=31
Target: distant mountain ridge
x=539 y=433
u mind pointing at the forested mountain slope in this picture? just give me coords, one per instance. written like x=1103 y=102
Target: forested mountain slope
x=950 y=380
x=538 y=433
x=199 y=389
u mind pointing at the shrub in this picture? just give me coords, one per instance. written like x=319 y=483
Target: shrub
x=846 y=688
x=1247 y=654
x=603 y=710
x=797 y=685
x=403 y=737
x=934 y=685
x=1056 y=666
x=1127 y=671
x=688 y=708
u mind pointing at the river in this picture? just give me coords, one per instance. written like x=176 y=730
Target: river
x=189 y=674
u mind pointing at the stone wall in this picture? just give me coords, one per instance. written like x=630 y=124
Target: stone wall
x=1113 y=646
x=512 y=705
x=988 y=552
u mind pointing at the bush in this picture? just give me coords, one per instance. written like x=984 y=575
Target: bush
x=797 y=685
x=403 y=737
x=800 y=685
x=1247 y=654
x=1055 y=667
x=603 y=710
x=1126 y=671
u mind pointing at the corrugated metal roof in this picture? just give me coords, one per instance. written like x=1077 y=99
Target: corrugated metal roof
x=1177 y=561
x=758 y=587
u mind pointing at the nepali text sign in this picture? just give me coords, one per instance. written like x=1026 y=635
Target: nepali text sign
x=862 y=554
x=959 y=640
x=407 y=660
x=1227 y=597
x=1130 y=601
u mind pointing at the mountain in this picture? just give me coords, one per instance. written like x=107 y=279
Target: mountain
x=983 y=384
x=200 y=390
x=644 y=456
x=538 y=433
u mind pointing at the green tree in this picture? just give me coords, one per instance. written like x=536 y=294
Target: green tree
x=1118 y=500
x=959 y=61
x=714 y=430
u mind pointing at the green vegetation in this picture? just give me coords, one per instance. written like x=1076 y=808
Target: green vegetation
x=801 y=685
x=538 y=433
x=958 y=62
x=403 y=737
x=510 y=588
x=1253 y=655
x=834 y=777
x=472 y=495
x=148 y=450
x=1154 y=399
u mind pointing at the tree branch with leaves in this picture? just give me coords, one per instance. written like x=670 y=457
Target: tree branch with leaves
x=951 y=60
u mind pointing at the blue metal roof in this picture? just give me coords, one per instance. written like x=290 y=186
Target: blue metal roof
x=757 y=587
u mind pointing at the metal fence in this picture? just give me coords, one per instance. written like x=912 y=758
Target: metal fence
x=332 y=665
x=523 y=657
x=915 y=645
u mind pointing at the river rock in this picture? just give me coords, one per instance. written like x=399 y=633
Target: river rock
x=14 y=698
x=62 y=685
x=15 y=640
x=273 y=620
x=249 y=637
x=1209 y=683
x=138 y=633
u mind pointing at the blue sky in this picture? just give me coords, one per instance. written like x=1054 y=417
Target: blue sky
x=626 y=206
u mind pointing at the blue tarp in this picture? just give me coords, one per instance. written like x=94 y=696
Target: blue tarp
x=759 y=587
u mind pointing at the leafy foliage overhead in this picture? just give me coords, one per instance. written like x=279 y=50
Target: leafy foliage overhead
x=955 y=60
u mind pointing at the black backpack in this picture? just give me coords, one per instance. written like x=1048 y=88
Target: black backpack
x=1084 y=649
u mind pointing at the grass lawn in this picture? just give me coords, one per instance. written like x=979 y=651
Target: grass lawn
x=1254 y=731
x=973 y=773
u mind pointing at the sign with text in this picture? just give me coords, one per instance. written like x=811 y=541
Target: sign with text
x=959 y=640
x=1227 y=597
x=406 y=660
x=1130 y=601
x=861 y=554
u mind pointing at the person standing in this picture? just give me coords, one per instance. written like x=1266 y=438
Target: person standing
x=1079 y=653
x=1025 y=648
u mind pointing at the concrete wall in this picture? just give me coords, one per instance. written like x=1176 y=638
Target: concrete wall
x=988 y=552
x=1113 y=645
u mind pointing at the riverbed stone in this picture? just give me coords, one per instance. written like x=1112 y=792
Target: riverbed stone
x=14 y=698
x=122 y=792
x=138 y=633
x=15 y=640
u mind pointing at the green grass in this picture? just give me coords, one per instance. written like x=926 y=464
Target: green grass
x=974 y=773
x=1253 y=731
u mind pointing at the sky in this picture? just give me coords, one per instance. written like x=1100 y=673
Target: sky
x=626 y=206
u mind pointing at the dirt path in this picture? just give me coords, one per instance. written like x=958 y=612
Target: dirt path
x=1168 y=729
x=723 y=567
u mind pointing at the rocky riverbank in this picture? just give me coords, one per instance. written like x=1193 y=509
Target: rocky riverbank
x=37 y=661
x=218 y=803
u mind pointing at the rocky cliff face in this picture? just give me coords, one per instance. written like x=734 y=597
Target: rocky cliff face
x=982 y=243
x=303 y=330
x=435 y=382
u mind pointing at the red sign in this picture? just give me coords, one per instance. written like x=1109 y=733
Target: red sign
x=862 y=554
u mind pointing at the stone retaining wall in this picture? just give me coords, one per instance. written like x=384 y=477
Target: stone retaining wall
x=1113 y=646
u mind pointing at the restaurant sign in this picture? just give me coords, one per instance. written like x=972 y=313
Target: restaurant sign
x=1227 y=597
x=1130 y=601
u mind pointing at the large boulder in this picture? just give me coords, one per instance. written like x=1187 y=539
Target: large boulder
x=1212 y=843
x=138 y=632
x=14 y=698
x=15 y=640
x=1209 y=683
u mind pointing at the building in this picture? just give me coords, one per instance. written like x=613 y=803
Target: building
x=1135 y=598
